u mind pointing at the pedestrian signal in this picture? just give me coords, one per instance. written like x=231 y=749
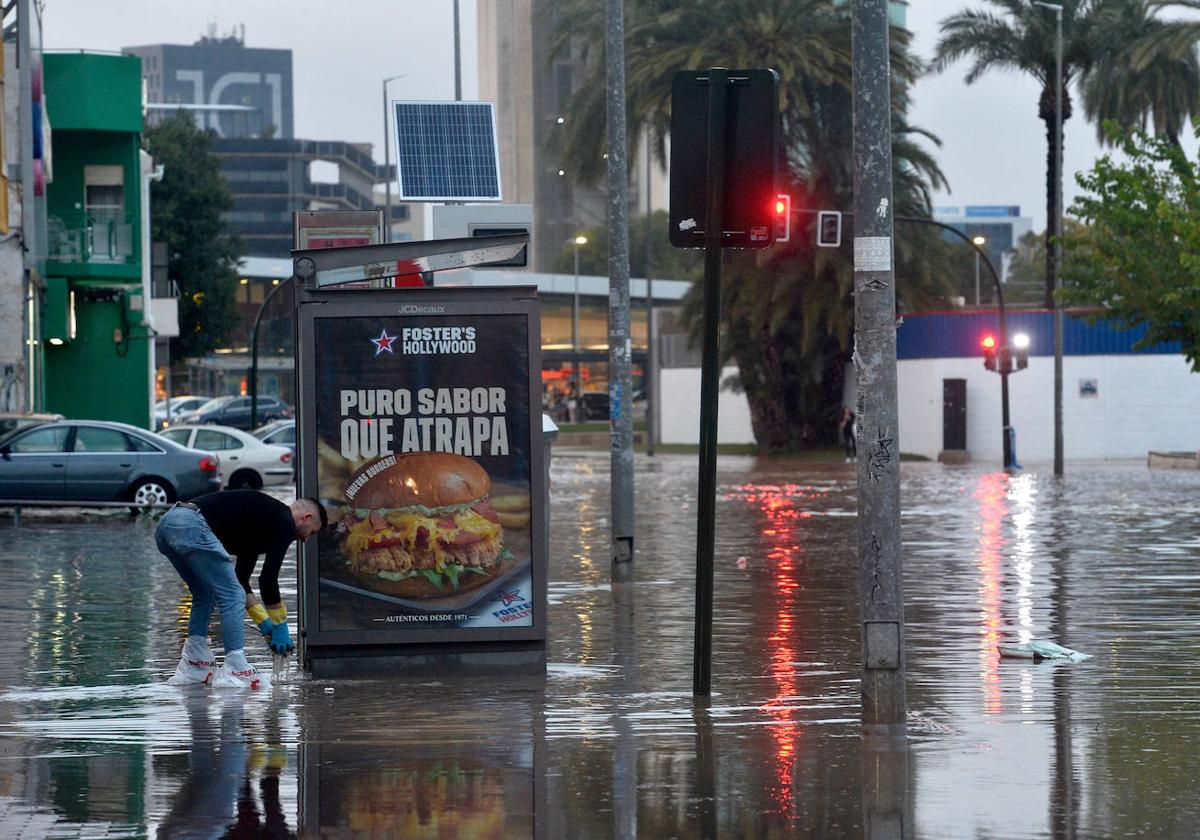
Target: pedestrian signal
x=829 y=229
x=989 y=351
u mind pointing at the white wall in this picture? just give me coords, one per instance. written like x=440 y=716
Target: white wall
x=1144 y=403
x=679 y=408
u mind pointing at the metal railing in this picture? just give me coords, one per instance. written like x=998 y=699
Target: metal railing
x=86 y=236
x=17 y=504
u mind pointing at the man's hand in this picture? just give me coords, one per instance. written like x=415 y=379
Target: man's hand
x=281 y=639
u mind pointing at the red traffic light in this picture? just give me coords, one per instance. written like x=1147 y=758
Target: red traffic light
x=783 y=217
x=988 y=343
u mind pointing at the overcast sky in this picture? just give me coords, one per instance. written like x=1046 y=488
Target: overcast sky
x=994 y=146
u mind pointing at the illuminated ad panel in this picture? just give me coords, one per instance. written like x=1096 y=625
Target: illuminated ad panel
x=422 y=439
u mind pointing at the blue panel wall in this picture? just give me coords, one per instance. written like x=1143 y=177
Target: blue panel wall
x=941 y=335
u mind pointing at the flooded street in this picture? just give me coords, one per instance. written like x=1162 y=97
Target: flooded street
x=93 y=743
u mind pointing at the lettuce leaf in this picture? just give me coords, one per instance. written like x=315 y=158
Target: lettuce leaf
x=434 y=578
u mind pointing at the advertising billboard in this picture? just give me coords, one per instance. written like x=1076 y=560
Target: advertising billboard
x=420 y=432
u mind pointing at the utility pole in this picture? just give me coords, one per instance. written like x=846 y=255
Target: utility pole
x=620 y=378
x=879 y=557
x=650 y=374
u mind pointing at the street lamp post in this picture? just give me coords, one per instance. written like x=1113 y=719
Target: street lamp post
x=979 y=242
x=387 y=163
x=575 y=337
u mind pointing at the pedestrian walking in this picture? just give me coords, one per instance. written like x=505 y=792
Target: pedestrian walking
x=214 y=544
x=846 y=433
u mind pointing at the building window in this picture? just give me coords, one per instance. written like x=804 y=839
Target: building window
x=104 y=191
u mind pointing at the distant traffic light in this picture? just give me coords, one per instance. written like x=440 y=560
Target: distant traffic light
x=829 y=229
x=783 y=217
x=989 y=351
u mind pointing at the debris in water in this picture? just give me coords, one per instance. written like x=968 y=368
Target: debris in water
x=1037 y=650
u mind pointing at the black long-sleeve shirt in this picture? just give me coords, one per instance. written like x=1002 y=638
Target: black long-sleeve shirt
x=249 y=523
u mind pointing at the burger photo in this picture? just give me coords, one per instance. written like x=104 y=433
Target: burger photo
x=421 y=525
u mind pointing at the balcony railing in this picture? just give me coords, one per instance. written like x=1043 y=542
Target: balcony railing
x=91 y=236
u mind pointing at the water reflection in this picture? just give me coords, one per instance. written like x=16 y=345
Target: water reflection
x=217 y=796
x=991 y=493
x=419 y=765
x=610 y=743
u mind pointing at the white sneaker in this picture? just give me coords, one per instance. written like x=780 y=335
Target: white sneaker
x=195 y=665
x=237 y=672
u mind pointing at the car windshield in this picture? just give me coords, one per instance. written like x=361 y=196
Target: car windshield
x=263 y=431
x=215 y=403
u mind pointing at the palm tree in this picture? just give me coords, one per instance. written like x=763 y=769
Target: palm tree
x=788 y=313
x=1142 y=75
x=1109 y=47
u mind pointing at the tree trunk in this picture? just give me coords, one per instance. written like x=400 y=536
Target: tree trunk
x=769 y=416
x=1046 y=114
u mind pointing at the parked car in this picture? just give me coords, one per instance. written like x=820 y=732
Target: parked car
x=179 y=406
x=10 y=421
x=280 y=433
x=102 y=461
x=235 y=411
x=246 y=462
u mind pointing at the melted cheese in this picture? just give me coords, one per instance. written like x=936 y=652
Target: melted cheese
x=403 y=525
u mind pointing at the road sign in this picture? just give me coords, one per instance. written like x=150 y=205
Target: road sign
x=750 y=161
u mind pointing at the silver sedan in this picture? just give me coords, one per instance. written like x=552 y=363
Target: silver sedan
x=102 y=461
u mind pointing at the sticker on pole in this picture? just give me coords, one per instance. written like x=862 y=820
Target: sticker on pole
x=872 y=253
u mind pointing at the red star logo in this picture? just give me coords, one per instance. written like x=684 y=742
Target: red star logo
x=384 y=342
x=509 y=597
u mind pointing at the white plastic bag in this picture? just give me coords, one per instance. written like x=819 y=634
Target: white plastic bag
x=196 y=664
x=237 y=672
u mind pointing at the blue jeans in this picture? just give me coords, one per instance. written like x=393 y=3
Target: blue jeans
x=206 y=567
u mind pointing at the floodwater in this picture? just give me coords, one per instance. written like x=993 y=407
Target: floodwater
x=609 y=743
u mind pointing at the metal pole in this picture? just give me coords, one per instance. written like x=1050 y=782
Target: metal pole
x=710 y=378
x=649 y=375
x=879 y=551
x=1058 y=213
x=620 y=374
x=457 y=58
x=252 y=383
x=387 y=167
x=977 y=278
x=575 y=341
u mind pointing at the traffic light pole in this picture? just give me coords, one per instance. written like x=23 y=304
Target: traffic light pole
x=1005 y=347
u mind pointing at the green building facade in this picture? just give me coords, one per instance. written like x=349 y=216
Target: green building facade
x=98 y=350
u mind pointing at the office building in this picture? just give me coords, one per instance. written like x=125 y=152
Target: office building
x=244 y=95
x=531 y=96
x=1000 y=225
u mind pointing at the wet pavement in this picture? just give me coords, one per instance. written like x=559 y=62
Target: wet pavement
x=93 y=743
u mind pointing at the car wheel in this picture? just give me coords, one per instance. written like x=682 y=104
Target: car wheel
x=245 y=480
x=151 y=492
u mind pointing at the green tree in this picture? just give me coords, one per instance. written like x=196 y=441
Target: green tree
x=1140 y=76
x=1106 y=43
x=185 y=208
x=1026 y=279
x=1144 y=214
x=788 y=312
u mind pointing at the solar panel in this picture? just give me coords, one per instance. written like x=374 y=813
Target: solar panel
x=446 y=151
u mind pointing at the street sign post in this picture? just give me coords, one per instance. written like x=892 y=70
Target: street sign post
x=723 y=195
